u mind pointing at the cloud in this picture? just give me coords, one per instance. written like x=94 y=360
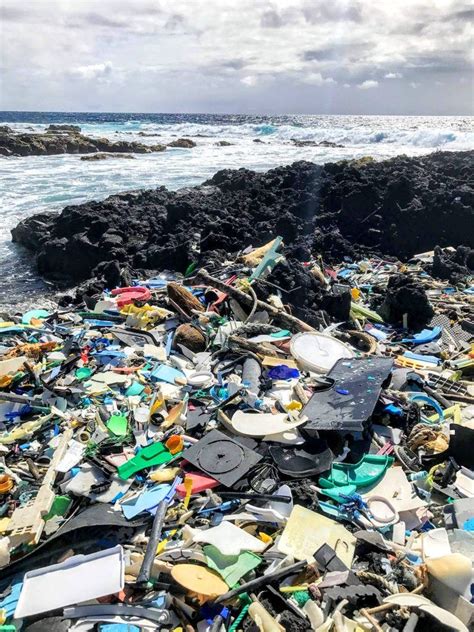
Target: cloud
x=249 y=81
x=94 y=71
x=316 y=79
x=205 y=55
x=368 y=84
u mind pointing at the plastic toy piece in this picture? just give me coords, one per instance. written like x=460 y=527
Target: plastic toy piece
x=127 y=295
x=423 y=337
x=27 y=523
x=150 y=456
x=368 y=471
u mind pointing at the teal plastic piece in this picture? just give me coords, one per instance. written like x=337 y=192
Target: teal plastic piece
x=134 y=389
x=336 y=493
x=152 y=455
x=333 y=511
x=34 y=313
x=370 y=469
x=269 y=261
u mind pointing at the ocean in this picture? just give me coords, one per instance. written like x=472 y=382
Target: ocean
x=30 y=184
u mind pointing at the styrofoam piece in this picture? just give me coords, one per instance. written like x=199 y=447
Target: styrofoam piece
x=12 y=365
x=435 y=543
x=229 y=539
x=263 y=424
x=72 y=457
x=318 y=352
x=78 y=579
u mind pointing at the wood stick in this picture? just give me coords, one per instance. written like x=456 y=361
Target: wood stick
x=285 y=319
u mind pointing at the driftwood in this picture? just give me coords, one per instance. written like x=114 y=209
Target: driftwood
x=183 y=299
x=287 y=320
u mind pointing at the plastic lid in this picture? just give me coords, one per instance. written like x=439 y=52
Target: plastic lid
x=318 y=352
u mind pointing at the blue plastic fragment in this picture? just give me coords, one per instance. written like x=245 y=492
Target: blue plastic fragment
x=429 y=401
x=421 y=358
x=283 y=372
x=424 y=336
x=391 y=409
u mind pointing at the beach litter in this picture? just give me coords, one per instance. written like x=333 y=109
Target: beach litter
x=187 y=454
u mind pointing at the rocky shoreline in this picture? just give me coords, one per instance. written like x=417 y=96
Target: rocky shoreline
x=68 y=139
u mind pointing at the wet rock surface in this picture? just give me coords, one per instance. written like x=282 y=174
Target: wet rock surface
x=184 y=143
x=394 y=208
x=105 y=156
x=65 y=139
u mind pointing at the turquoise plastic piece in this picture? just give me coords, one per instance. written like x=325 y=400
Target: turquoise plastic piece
x=152 y=455
x=370 y=469
x=336 y=493
x=34 y=313
x=269 y=261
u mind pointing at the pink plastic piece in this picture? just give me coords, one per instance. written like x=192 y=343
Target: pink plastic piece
x=127 y=295
x=200 y=483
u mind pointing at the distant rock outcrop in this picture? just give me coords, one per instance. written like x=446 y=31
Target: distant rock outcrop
x=65 y=141
x=185 y=143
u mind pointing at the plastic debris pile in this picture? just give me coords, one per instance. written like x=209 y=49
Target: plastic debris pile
x=191 y=455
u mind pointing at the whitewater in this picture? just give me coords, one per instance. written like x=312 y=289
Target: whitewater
x=48 y=183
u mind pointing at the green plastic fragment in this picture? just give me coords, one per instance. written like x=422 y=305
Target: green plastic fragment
x=191 y=267
x=118 y=425
x=368 y=471
x=301 y=597
x=357 y=311
x=150 y=456
x=59 y=507
x=83 y=373
x=231 y=567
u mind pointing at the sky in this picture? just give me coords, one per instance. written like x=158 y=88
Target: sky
x=238 y=56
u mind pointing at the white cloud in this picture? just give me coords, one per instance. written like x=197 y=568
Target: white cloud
x=205 y=55
x=94 y=71
x=368 y=84
x=249 y=80
x=316 y=79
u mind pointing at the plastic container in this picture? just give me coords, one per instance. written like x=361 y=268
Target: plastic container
x=318 y=352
